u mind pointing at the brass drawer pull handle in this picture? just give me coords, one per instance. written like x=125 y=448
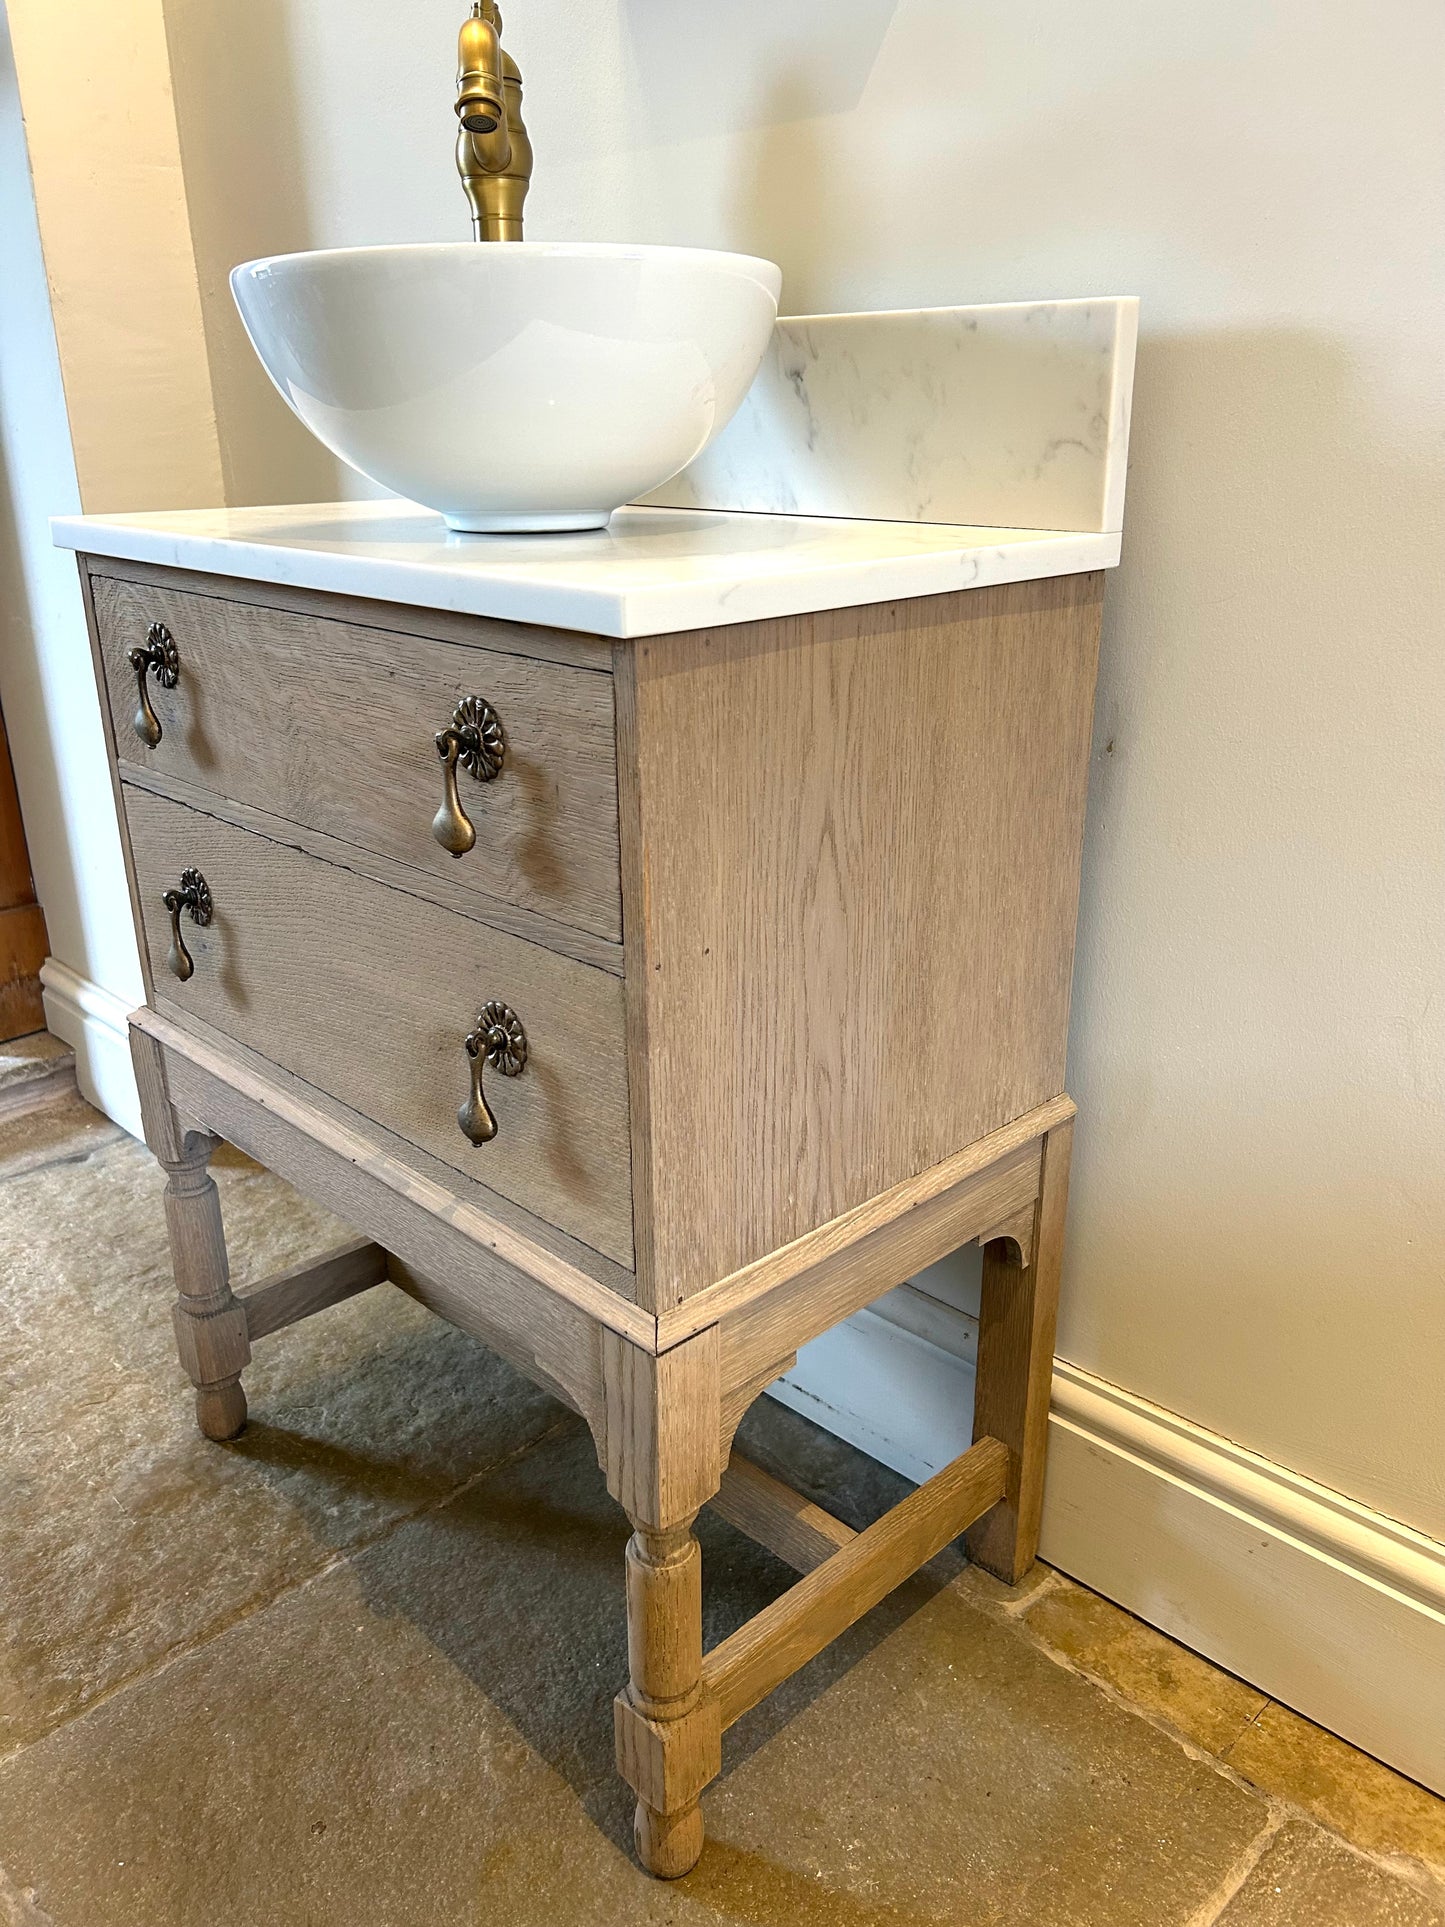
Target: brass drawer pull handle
x=476 y=741
x=500 y=1041
x=194 y=896
x=161 y=655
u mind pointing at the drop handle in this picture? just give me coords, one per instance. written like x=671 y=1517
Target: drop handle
x=475 y=742
x=161 y=656
x=194 y=897
x=498 y=1042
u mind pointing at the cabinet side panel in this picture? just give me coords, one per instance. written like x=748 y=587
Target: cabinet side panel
x=855 y=891
x=635 y=972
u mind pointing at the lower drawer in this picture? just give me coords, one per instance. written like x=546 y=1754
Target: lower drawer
x=368 y=993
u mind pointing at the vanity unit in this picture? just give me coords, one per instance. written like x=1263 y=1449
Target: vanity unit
x=657 y=944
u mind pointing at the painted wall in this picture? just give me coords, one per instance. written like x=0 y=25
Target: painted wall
x=46 y=685
x=116 y=242
x=1258 y=1233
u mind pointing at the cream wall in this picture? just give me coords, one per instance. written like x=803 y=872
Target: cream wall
x=105 y=403
x=110 y=201
x=1257 y=1238
x=46 y=686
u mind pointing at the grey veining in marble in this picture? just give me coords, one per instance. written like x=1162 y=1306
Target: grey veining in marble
x=1009 y=416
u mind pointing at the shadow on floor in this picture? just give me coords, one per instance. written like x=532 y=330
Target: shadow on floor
x=518 y=1580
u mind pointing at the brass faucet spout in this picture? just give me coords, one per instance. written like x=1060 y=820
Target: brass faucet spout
x=494 y=155
x=481 y=103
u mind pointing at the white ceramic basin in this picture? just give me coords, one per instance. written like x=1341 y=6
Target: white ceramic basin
x=512 y=385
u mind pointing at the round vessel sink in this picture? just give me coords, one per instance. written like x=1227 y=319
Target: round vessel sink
x=517 y=384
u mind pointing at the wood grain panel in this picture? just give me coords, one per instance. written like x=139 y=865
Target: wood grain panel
x=367 y=993
x=511 y=1296
x=331 y=725
x=16 y=886
x=663 y=1449
x=417 y=1172
x=23 y=942
x=302 y=1290
x=370 y=612
x=1017 y=1318
x=800 y=1533
x=23 y=949
x=435 y=885
x=852 y=902
x=112 y=764
x=937 y=1203
x=271 y=1117
x=778 y=1320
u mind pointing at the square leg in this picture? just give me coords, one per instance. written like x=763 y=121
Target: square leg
x=1015 y=1368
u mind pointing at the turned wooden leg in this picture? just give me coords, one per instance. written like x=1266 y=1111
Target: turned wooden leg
x=662 y=1452
x=668 y=1742
x=1015 y=1369
x=210 y=1322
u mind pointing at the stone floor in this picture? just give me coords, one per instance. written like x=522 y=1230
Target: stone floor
x=357 y=1668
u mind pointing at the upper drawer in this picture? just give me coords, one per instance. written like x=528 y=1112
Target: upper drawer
x=334 y=727
x=369 y=993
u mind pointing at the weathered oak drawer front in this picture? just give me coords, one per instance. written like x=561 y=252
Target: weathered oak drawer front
x=369 y=994
x=334 y=726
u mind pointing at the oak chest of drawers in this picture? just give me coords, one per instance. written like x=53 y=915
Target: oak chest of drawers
x=648 y=1007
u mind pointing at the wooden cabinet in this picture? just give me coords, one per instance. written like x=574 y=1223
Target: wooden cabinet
x=784 y=914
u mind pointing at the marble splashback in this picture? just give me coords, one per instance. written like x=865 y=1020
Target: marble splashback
x=1008 y=416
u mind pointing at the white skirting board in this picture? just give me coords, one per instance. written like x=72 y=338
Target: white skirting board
x=1319 y=1602
x=95 y=1023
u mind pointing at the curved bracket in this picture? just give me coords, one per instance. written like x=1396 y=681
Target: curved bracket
x=1017 y=1232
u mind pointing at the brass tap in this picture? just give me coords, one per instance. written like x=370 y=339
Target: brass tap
x=494 y=155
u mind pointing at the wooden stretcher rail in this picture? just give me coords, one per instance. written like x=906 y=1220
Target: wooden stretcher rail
x=800 y=1533
x=746 y=1667
x=295 y=1294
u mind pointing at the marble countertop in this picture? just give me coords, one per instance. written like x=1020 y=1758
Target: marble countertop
x=651 y=571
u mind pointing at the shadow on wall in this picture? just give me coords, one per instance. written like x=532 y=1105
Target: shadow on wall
x=20 y=652
x=60 y=748
x=728 y=53
x=1257 y=1044
x=791 y=148
x=246 y=198
x=981 y=155
x=51 y=709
